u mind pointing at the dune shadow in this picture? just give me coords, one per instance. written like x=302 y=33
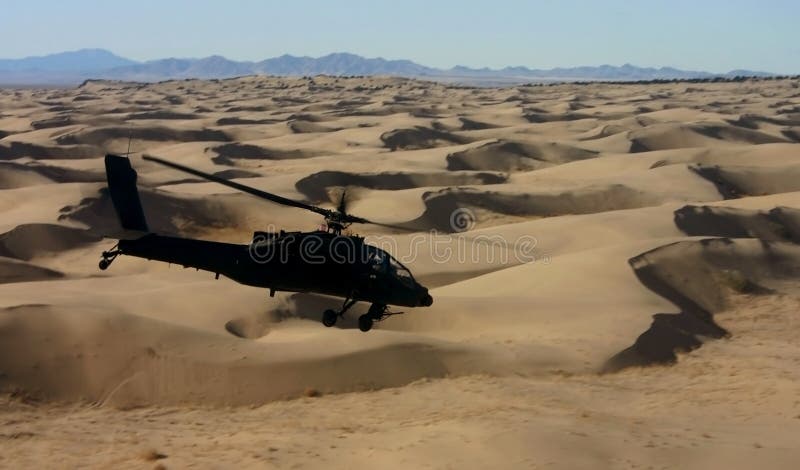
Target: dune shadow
x=509 y=156
x=316 y=186
x=420 y=138
x=227 y=154
x=699 y=277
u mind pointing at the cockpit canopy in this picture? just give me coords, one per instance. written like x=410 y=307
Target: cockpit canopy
x=382 y=262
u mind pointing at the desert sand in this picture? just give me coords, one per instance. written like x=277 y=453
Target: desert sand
x=649 y=319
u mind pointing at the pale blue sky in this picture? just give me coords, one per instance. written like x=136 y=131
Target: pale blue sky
x=712 y=35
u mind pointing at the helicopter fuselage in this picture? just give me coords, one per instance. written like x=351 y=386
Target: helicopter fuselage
x=318 y=262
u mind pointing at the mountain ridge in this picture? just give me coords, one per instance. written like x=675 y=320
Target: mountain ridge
x=72 y=67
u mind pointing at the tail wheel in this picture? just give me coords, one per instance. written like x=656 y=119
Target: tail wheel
x=107 y=257
x=365 y=322
x=329 y=317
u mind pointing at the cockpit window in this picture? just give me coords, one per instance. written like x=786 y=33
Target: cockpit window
x=401 y=272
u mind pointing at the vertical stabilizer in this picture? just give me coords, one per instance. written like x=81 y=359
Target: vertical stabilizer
x=122 y=187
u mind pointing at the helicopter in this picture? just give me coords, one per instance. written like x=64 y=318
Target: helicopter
x=323 y=261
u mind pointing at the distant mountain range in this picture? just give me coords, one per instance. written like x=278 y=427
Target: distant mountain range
x=68 y=68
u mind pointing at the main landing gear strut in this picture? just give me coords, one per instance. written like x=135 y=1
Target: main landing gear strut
x=108 y=257
x=377 y=312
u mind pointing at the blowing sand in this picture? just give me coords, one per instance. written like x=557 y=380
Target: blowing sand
x=649 y=319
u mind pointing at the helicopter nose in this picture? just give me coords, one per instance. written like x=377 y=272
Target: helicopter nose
x=425 y=300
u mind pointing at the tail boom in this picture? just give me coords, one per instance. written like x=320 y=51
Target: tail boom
x=231 y=260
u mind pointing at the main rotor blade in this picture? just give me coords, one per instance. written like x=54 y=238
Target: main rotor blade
x=243 y=188
x=327 y=213
x=342 y=207
x=360 y=220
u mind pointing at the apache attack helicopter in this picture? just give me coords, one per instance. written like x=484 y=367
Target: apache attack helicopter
x=323 y=261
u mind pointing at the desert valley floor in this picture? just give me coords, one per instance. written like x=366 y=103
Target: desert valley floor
x=635 y=306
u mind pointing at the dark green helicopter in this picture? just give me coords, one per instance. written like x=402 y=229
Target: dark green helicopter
x=323 y=261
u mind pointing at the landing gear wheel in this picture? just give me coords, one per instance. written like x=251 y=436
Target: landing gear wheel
x=329 y=317
x=104 y=264
x=365 y=322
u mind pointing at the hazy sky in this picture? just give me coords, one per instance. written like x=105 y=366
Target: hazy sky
x=712 y=35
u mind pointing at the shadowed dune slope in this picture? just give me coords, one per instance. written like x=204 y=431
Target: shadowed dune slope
x=698 y=277
x=315 y=186
x=228 y=154
x=28 y=241
x=166 y=213
x=126 y=360
x=18 y=175
x=420 y=138
x=14 y=150
x=309 y=127
x=439 y=205
x=666 y=136
x=103 y=136
x=515 y=156
x=778 y=224
x=19 y=271
x=741 y=181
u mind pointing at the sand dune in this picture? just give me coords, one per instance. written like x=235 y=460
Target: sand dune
x=778 y=224
x=520 y=200
x=537 y=117
x=104 y=137
x=419 y=138
x=19 y=271
x=514 y=156
x=14 y=150
x=28 y=241
x=468 y=124
x=126 y=360
x=166 y=212
x=316 y=186
x=614 y=271
x=662 y=137
x=56 y=121
x=235 y=121
x=17 y=175
x=160 y=115
x=698 y=277
x=740 y=181
x=228 y=154
x=302 y=126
